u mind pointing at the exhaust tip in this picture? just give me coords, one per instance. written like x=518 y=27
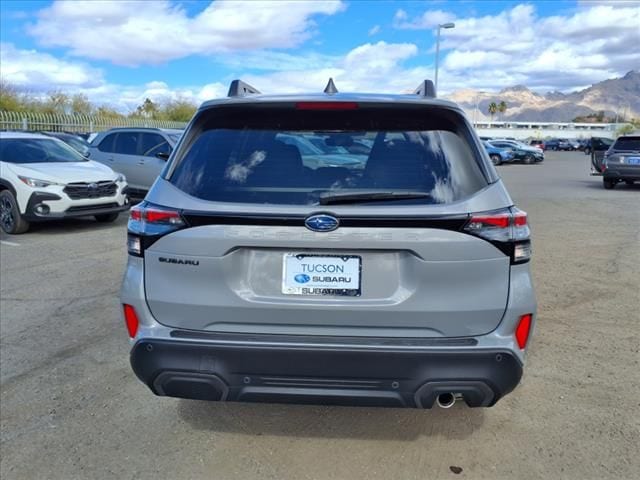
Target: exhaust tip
x=446 y=400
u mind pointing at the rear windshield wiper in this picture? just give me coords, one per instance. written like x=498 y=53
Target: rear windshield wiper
x=329 y=198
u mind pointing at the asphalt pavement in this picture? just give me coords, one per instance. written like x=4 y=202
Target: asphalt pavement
x=71 y=408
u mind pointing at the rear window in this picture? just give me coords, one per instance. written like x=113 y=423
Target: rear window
x=243 y=158
x=37 y=150
x=627 y=143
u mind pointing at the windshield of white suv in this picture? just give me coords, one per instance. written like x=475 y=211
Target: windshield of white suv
x=306 y=166
x=37 y=150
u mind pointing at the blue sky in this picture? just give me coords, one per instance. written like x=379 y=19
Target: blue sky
x=120 y=52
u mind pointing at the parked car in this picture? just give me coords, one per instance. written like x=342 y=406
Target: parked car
x=402 y=282
x=42 y=178
x=597 y=148
x=622 y=162
x=498 y=155
x=138 y=153
x=573 y=144
x=76 y=142
x=582 y=143
x=538 y=144
x=560 y=144
x=521 y=152
x=316 y=153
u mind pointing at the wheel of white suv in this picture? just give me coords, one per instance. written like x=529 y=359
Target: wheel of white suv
x=107 y=217
x=10 y=219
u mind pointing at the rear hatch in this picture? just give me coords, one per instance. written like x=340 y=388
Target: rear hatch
x=625 y=153
x=269 y=238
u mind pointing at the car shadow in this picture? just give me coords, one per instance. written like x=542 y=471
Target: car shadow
x=256 y=419
x=74 y=225
x=597 y=185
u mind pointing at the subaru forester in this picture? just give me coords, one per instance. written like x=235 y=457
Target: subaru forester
x=387 y=266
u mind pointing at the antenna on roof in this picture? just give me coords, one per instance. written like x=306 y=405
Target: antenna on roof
x=426 y=89
x=330 y=89
x=240 y=89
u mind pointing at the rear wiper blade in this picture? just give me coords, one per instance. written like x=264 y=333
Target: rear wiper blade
x=329 y=198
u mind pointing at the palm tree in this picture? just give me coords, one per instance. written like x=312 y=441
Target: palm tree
x=502 y=107
x=493 y=108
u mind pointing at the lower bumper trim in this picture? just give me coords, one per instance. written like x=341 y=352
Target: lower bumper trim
x=319 y=375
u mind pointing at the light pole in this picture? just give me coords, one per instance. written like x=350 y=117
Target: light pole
x=441 y=26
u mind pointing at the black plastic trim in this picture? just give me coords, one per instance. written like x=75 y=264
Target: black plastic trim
x=301 y=373
x=197 y=219
x=38 y=197
x=8 y=186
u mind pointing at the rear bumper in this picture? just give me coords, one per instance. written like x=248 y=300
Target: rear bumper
x=298 y=372
x=622 y=172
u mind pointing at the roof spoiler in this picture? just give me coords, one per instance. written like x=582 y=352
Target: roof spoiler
x=238 y=88
x=426 y=89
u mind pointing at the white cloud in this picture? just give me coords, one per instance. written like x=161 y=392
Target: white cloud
x=371 y=67
x=429 y=19
x=126 y=97
x=42 y=71
x=272 y=60
x=134 y=32
x=517 y=46
x=374 y=30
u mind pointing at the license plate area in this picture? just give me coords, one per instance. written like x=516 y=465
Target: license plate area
x=321 y=275
x=633 y=160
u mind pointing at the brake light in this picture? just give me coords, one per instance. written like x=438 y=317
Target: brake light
x=131 y=320
x=152 y=214
x=499 y=221
x=507 y=229
x=327 y=106
x=147 y=223
x=522 y=331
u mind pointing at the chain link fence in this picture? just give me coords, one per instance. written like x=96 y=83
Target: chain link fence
x=30 y=121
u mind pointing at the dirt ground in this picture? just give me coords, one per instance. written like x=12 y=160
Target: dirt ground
x=70 y=407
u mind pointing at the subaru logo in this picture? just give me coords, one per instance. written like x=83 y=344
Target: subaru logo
x=302 y=278
x=321 y=223
x=92 y=186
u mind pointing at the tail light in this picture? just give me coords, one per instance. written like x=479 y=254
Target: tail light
x=148 y=223
x=522 y=331
x=508 y=230
x=131 y=320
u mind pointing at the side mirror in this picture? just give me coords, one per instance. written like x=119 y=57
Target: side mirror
x=162 y=155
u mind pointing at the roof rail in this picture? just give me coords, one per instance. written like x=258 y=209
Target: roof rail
x=426 y=89
x=240 y=89
x=331 y=88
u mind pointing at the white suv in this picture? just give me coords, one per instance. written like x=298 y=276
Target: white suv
x=42 y=178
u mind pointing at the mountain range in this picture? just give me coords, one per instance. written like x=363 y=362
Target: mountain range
x=616 y=97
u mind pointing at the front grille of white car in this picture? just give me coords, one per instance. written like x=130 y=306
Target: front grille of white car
x=83 y=190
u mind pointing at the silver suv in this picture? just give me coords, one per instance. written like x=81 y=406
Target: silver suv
x=398 y=276
x=139 y=154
